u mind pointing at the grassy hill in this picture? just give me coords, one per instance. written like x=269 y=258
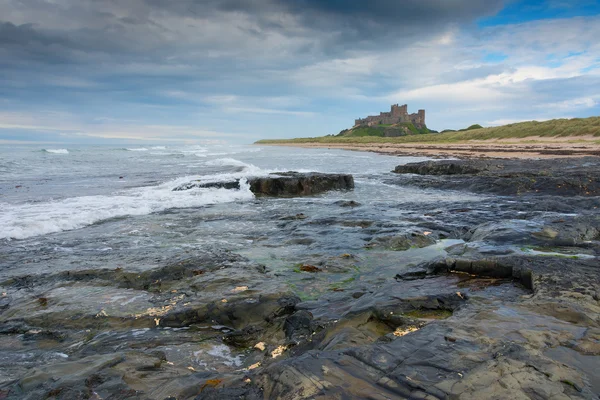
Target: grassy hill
x=395 y=130
x=532 y=129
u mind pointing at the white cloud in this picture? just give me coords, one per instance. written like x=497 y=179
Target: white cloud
x=107 y=128
x=256 y=110
x=572 y=104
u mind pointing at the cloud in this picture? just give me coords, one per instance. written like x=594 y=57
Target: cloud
x=201 y=29
x=189 y=68
x=70 y=127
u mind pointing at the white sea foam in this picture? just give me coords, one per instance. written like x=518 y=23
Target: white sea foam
x=194 y=149
x=57 y=151
x=246 y=170
x=226 y=162
x=21 y=221
x=235 y=151
x=159 y=147
x=252 y=150
x=137 y=149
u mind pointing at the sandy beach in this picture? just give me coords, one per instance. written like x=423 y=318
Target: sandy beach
x=531 y=147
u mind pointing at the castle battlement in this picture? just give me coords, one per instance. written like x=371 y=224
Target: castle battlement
x=397 y=114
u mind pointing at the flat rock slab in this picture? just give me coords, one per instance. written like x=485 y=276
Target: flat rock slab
x=283 y=184
x=556 y=177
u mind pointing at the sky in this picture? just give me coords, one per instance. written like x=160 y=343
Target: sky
x=154 y=71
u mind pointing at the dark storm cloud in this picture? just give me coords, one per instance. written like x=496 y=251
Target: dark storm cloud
x=153 y=29
x=23 y=35
x=395 y=12
x=346 y=24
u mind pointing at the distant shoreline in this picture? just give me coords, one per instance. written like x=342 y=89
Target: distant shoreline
x=533 y=147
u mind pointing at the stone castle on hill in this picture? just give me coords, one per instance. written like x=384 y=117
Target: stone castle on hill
x=397 y=115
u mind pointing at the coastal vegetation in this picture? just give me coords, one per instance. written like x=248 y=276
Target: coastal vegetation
x=575 y=127
x=384 y=130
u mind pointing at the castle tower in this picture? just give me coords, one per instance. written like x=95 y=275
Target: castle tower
x=421 y=114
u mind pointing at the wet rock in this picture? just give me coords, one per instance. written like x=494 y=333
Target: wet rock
x=284 y=184
x=300 y=241
x=481 y=352
x=558 y=177
x=298 y=326
x=231 y=185
x=357 y=224
x=425 y=269
x=69 y=372
x=294 y=217
x=246 y=337
x=309 y=268
x=349 y=203
x=299 y=184
x=455 y=167
x=4 y=302
x=567 y=231
x=401 y=242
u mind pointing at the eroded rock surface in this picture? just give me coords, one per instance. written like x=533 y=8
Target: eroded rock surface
x=557 y=177
x=462 y=297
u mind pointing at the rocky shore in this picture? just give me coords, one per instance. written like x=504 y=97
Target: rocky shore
x=283 y=184
x=462 y=300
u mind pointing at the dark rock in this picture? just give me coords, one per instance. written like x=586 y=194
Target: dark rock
x=245 y=337
x=299 y=216
x=284 y=184
x=350 y=203
x=401 y=242
x=425 y=269
x=299 y=184
x=298 y=326
x=357 y=224
x=232 y=185
x=568 y=231
x=557 y=177
x=459 y=167
x=300 y=241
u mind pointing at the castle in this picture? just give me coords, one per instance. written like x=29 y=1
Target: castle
x=396 y=115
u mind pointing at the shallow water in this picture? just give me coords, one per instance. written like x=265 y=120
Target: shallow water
x=108 y=206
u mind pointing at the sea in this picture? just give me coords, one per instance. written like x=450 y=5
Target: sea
x=100 y=206
x=68 y=213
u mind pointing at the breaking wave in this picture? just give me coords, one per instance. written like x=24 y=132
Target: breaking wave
x=20 y=221
x=56 y=151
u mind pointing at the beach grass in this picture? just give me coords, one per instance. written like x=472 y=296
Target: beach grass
x=563 y=128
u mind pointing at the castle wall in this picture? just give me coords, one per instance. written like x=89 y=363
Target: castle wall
x=396 y=115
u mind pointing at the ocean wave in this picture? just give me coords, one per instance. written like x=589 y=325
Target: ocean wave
x=137 y=149
x=158 y=147
x=195 y=149
x=56 y=151
x=251 y=150
x=227 y=162
x=20 y=221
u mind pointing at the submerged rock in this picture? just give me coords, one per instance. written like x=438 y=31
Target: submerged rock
x=284 y=184
x=349 y=203
x=401 y=242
